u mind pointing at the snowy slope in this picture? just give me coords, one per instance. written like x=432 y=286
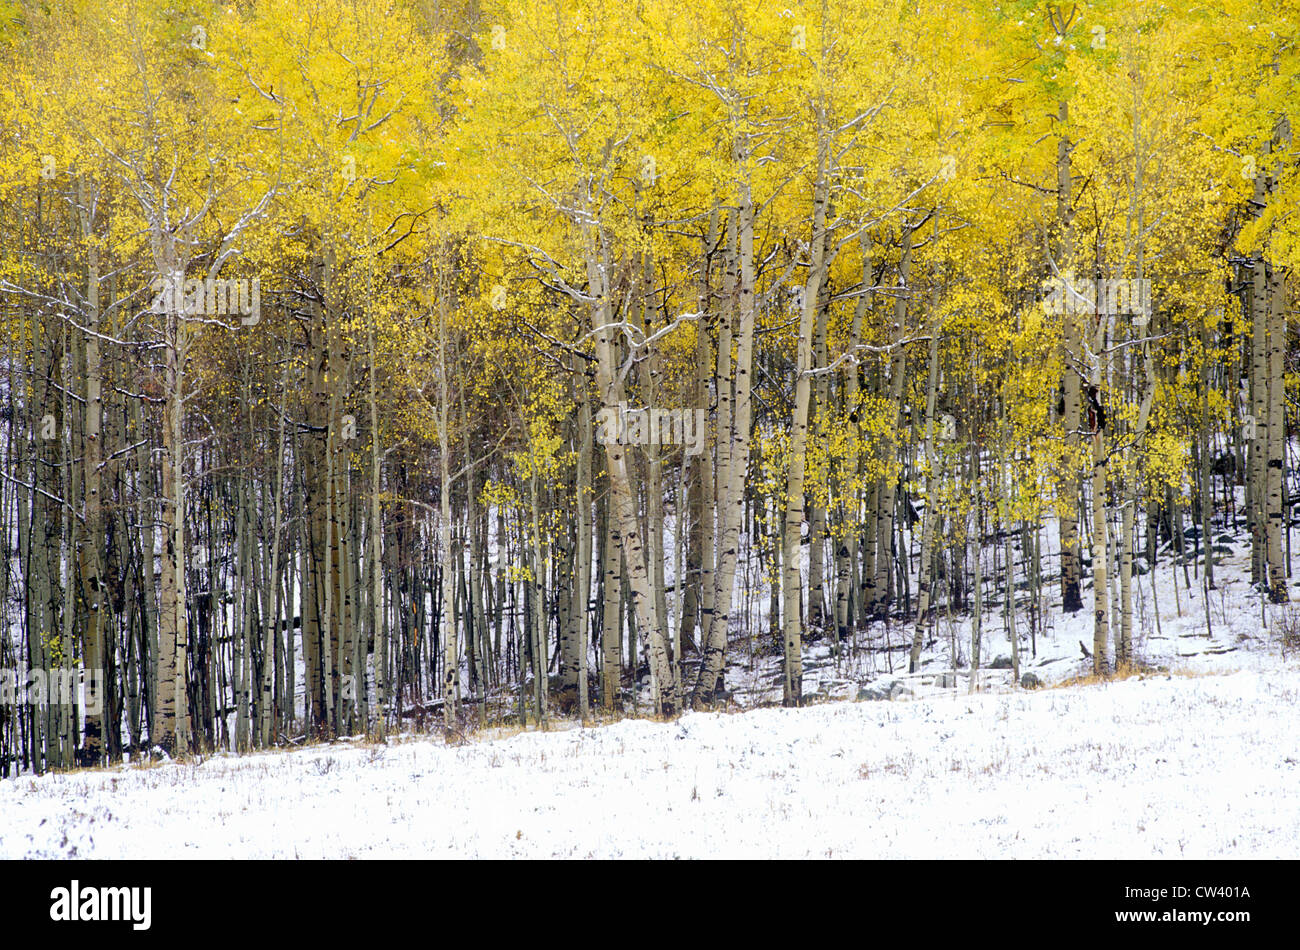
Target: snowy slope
x=1176 y=766
x=1184 y=630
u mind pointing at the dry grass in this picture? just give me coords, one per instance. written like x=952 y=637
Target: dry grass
x=1126 y=672
x=373 y=745
x=1287 y=624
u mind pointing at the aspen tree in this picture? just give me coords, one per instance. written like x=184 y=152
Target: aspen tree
x=794 y=490
x=930 y=461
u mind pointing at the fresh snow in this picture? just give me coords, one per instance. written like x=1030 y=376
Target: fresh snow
x=1197 y=759
x=1167 y=766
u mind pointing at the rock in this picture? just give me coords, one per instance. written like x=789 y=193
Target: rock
x=901 y=691
x=946 y=680
x=1001 y=663
x=872 y=695
x=1030 y=681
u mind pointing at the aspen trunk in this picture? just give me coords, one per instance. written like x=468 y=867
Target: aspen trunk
x=1100 y=518
x=1277 y=580
x=171 y=728
x=887 y=489
x=1277 y=510
x=612 y=615
x=92 y=582
x=1071 y=561
x=582 y=571
x=451 y=653
x=697 y=605
x=271 y=596
x=977 y=614
x=792 y=625
x=1259 y=445
x=847 y=604
x=817 y=514
x=924 y=582
x=622 y=500
x=732 y=440
x=733 y=452
x=644 y=604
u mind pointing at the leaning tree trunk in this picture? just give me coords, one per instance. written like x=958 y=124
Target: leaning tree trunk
x=623 y=498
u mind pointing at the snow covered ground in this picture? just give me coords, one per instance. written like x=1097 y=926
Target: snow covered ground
x=1224 y=629
x=1198 y=759
x=1168 y=766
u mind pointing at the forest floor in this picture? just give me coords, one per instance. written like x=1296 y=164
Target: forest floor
x=1222 y=629
x=1197 y=756
x=1164 y=765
